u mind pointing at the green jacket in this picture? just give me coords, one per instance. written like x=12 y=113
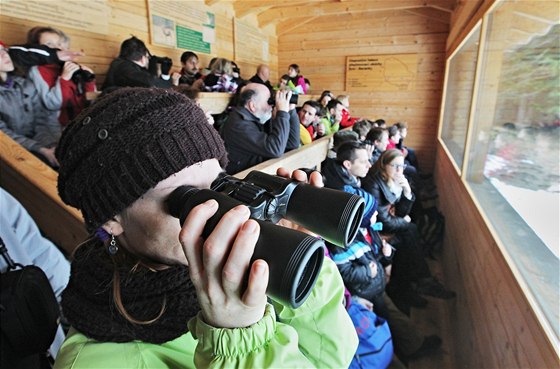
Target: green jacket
x=319 y=334
x=330 y=127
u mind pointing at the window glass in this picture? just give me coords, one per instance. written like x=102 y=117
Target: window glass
x=514 y=156
x=458 y=96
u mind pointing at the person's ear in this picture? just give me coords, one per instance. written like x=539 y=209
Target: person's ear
x=347 y=164
x=252 y=107
x=114 y=226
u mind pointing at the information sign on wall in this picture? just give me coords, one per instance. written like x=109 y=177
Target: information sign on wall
x=183 y=24
x=370 y=73
x=90 y=16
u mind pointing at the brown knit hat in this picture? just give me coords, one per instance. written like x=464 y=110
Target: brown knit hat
x=127 y=142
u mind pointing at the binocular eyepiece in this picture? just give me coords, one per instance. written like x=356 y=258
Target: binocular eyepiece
x=294 y=258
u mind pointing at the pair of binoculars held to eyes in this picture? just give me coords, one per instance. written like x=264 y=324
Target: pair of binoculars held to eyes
x=294 y=258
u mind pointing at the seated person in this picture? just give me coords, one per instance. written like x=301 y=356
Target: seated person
x=262 y=76
x=307 y=115
x=390 y=187
x=380 y=123
x=23 y=116
x=135 y=67
x=27 y=246
x=379 y=137
x=307 y=85
x=409 y=153
x=333 y=117
x=346 y=120
x=189 y=70
x=362 y=128
x=365 y=266
x=248 y=141
x=236 y=74
x=62 y=86
x=326 y=96
x=394 y=136
x=220 y=78
x=297 y=79
x=283 y=82
x=143 y=290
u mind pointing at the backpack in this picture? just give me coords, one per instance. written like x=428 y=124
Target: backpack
x=29 y=313
x=431 y=226
x=375 y=349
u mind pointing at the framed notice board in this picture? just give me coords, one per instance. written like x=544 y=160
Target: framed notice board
x=370 y=73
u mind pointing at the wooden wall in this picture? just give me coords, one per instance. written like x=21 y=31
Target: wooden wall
x=131 y=18
x=320 y=48
x=494 y=324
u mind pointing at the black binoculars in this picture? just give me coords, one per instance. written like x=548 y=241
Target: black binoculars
x=294 y=258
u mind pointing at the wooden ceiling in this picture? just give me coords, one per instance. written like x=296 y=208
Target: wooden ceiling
x=289 y=14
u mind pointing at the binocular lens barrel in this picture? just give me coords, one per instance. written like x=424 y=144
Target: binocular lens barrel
x=333 y=214
x=294 y=258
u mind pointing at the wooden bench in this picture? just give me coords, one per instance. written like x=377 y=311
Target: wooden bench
x=34 y=184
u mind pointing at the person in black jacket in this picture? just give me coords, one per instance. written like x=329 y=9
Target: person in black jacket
x=262 y=76
x=130 y=69
x=387 y=183
x=248 y=140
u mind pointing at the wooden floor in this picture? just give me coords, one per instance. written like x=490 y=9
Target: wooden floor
x=435 y=319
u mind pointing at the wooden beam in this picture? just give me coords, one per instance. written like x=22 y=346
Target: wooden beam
x=243 y=9
x=432 y=14
x=278 y=14
x=286 y=26
x=444 y=5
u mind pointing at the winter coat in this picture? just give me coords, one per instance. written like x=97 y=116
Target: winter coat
x=318 y=334
x=391 y=208
x=23 y=116
x=58 y=93
x=248 y=143
x=126 y=73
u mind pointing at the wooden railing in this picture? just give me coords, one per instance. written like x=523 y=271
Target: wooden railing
x=214 y=102
x=34 y=184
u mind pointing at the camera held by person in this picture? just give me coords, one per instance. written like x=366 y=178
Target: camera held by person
x=165 y=64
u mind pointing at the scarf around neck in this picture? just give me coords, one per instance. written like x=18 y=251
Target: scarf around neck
x=88 y=305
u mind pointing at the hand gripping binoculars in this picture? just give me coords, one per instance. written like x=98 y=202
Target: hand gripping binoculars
x=294 y=258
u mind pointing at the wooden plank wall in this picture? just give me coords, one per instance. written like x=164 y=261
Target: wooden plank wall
x=320 y=48
x=131 y=18
x=494 y=323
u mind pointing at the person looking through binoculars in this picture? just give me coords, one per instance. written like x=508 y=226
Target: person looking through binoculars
x=146 y=289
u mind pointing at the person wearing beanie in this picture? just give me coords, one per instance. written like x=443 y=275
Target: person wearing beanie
x=23 y=116
x=145 y=291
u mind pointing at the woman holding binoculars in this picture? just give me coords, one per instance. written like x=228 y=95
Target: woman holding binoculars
x=147 y=292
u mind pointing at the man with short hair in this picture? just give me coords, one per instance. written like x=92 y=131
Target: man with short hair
x=344 y=171
x=333 y=117
x=307 y=115
x=262 y=76
x=248 y=141
x=130 y=69
x=379 y=137
x=189 y=70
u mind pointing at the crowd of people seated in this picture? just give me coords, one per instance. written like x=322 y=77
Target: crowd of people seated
x=384 y=268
